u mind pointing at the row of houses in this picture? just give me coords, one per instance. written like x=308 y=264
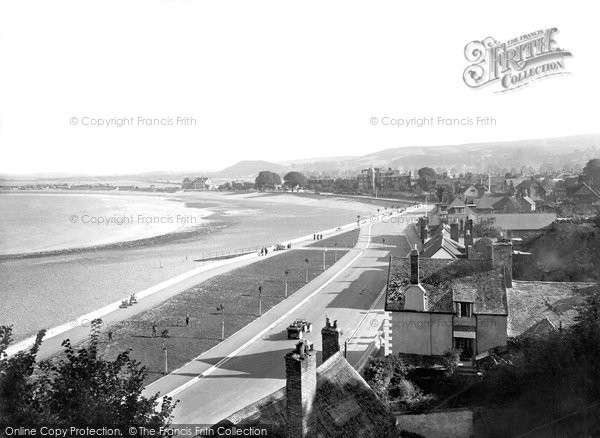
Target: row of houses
x=458 y=292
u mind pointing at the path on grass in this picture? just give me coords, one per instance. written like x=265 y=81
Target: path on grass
x=249 y=364
x=78 y=330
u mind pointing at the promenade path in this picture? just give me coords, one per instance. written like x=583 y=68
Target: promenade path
x=249 y=364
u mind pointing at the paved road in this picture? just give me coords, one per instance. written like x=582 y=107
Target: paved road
x=249 y=365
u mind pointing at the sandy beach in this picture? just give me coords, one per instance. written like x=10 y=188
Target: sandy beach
x=48 y=290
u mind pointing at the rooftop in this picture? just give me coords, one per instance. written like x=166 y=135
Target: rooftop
x=441 y=239
x=448 y=280
x=345 y=406
x=530 y=302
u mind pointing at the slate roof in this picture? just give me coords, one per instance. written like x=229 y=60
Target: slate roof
x=439 y=240
x=445 y=280
x=522 y=221
x=490 y=200
x=345 y=406
x=587 y=189
x=456 y=202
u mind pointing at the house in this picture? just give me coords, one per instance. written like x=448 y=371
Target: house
x=585 y=194
x=500 y=203
x=472 y=193
x=531 y=188
x=509 y=185
x=443 y=243
x=436 y=305
x=331 y=400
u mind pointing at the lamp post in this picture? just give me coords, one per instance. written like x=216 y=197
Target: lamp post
x=166 y=371
x=324 y=252
x=286 y=282
x=221 y=307
x=306 y=261
x=335 y=245
x=260 y=300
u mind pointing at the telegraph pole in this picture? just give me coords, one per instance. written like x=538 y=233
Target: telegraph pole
x=324 y=252
x=260 y=300
x=286 y=282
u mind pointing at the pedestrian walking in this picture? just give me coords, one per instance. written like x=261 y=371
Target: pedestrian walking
x=187 y=320
x=266 y=251
x=314 y=237
x=154 y=330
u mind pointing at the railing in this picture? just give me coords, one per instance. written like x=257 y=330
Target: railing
x=216 y=255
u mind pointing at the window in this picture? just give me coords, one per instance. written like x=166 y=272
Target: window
x=464 y=310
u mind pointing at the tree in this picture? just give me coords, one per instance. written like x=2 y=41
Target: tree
x=427 y=177
x=267 y=180
x=294 y=179
x=79 y=387
x=592 y=172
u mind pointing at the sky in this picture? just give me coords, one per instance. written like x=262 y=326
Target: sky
x=269 y=80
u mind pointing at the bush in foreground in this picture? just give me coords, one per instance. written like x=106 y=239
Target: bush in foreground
x=79 y=387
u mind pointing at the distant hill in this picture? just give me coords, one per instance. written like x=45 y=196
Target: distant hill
x=555 y=151
x=551 y=152
x=250 y=169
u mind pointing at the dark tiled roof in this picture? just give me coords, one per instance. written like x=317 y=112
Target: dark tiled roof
x=522 y=221
x=442 y=240
x=445 y=280
x=490 y=201
x=345 y=406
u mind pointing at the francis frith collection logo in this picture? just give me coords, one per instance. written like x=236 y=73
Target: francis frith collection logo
x=515 y=63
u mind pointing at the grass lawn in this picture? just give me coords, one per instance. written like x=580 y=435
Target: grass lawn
x=236 y=290
x=344 y=240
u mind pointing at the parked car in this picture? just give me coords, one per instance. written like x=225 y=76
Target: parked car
x=297 y=329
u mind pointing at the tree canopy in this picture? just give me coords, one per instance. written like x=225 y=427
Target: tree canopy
x=267 y=180
x=294 y=179
x=592 y=171
x=77 y=387
x=427 y=177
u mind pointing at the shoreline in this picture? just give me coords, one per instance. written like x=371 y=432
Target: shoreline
x=83 y=320
x=49 y=289
x=155 y=289
x=169 y=237
x=123 y=242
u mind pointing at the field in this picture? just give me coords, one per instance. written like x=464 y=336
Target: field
x=237 y=291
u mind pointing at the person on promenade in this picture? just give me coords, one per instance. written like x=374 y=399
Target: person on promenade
x=154 y=330
x=266 y=251
x=187 y=320
x=314 y=237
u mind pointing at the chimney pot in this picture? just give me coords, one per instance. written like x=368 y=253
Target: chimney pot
x=330 y=337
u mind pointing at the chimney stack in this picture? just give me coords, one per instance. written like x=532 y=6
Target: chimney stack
x=300 y=390
x=503 y=259
x=414 y=266
x=489 y=252
x=454 y=233
x=423 y=230
x=415 y=297
x=330 y=335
